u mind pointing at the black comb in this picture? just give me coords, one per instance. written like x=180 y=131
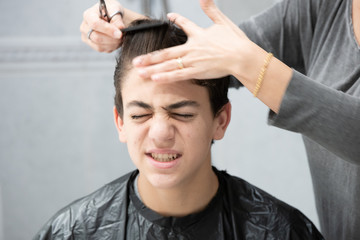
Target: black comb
x=143 y=27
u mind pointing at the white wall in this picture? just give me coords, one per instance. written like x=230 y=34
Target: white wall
x=57 y=139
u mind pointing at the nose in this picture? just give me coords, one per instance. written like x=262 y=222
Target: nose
x=162 y=131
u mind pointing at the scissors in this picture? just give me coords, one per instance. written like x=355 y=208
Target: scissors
x=105 y=16
x=103 y=11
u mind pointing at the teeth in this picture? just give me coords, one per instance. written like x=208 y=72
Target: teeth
x=166 y=157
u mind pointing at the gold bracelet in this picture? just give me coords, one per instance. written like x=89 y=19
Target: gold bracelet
x=262 y=73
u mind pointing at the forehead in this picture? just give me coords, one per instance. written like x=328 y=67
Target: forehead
x=136 y=88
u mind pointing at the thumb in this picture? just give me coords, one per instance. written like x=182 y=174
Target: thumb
x=185 y=24
x=117 y=20
x=212 y=11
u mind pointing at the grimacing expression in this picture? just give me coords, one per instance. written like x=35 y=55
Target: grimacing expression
x=168 y=129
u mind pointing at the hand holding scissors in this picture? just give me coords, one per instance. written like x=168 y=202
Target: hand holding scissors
x=104 y=12
x=105 y=16
x=100 y=28
x=104 y=23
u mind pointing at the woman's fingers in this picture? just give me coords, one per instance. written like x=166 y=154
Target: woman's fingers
x=101 y=38
x=207 y=53
x=108 y=48
x=116 y=13
x=172 y=76
x=185 y=24
x=99 y=25
x=167 y=66
x=99 y=34
x=117 y=20
x=211 y=10
x=159 y=56
x=214 y=13
x=172 y=53
x=97 y=40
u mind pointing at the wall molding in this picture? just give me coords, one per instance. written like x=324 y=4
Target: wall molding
x=49 y=50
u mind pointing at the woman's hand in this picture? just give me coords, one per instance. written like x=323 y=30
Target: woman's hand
x=106 y=37
x=208 y=53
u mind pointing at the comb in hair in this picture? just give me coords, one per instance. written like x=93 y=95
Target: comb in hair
x=143 y=27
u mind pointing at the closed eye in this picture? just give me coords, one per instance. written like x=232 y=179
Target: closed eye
x=136 y=117
x=183 y=116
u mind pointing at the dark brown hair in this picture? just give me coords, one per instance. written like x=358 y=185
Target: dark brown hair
x=144 y=41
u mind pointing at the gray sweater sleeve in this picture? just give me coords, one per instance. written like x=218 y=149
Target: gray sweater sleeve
x=324 y=114
x=327 y=116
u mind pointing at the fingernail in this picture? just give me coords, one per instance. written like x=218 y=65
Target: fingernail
x=142 y=72
x=137 y=61
x=169 y=15
x=117 y=34
x=155 y=77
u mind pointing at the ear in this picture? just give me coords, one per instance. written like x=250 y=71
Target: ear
x=119 y=123
x=222 y=120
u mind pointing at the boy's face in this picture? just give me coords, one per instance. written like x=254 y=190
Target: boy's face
x=168 y=129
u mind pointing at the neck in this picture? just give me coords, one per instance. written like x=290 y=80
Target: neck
x=190 y=197
x=356 y=19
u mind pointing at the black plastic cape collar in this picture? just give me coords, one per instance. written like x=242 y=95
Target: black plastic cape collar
x=238 y=211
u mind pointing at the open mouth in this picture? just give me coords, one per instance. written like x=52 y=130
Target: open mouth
x=164 y=157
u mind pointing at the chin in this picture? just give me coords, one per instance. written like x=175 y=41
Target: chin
x=163 y=181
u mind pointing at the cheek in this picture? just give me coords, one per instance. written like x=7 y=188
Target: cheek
x=200 y=132
x=135 y=150
x=136 y=137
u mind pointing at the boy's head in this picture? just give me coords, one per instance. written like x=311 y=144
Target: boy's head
x=149 y=40
x=168 y=127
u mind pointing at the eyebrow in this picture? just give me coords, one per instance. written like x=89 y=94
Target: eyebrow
x=138 y=104
x=185 y=103
x=177 y=105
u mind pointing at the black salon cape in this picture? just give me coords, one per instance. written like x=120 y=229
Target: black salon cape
x=238 y=211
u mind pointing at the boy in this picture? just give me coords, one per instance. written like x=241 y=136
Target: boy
x=175 y=193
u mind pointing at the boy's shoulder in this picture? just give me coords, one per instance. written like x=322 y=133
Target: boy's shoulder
x=258 y=210
x=108 y=203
